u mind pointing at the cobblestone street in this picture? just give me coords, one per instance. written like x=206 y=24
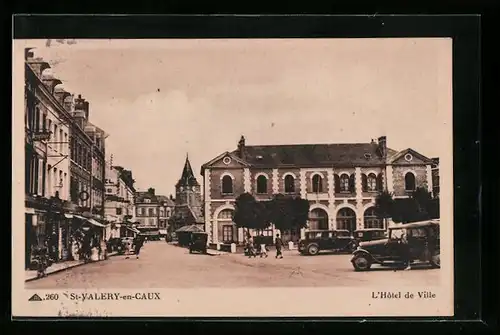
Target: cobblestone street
x=166 y=266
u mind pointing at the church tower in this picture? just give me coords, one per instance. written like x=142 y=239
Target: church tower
x=187 y=190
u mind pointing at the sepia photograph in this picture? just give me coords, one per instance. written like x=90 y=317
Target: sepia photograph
x=231 y=177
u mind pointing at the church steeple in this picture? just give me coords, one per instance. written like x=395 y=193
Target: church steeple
x=187 y=177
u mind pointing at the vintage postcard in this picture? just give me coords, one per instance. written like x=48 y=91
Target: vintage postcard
x=232 y=177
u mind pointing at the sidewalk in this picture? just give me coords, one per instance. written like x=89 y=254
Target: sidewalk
x=58 y=267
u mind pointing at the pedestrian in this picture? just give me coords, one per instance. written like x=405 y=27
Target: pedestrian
x=251 y=247
x=263 y=250
x=127 y=248
x=405 y=251
x=278 y=242
x=138 y=243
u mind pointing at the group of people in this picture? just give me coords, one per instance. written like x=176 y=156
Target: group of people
x=259 y=247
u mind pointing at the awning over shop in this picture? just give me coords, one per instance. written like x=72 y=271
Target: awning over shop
x=95 y=223
x=163 y=232
x=189 y=229
x=68 y=216
x=134 y=230
x=149 y=233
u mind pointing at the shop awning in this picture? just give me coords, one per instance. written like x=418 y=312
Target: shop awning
x=134 y=230
x=79 y=217
x=163 y=232
x=68 y=216
x=189 y=229
x=95 y=223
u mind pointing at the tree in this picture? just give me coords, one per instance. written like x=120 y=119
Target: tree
x=249 y=213
x=288 y=213
x=384 y=206
x=301 y=212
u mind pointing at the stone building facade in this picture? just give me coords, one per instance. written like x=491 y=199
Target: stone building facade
x=153 y=212
x=59 y=166
x=341 y=182
x=119 y=204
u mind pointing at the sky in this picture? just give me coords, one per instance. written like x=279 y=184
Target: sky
x=160 y=100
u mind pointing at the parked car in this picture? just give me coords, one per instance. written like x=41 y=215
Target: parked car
x=423 y=243
x=198 y=242
x=319 y=240
x=369 y=234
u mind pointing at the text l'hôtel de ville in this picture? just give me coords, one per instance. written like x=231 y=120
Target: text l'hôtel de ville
x=405 y=295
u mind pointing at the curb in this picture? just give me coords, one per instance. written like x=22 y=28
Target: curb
x=66 y=268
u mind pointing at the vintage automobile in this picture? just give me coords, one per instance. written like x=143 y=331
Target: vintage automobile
x=422 y=246
x=331 y=240
x=198 y=242
x=369 y=234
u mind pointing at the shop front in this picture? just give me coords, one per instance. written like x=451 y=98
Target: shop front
x=44 y=220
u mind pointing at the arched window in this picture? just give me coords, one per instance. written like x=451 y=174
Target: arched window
x=344 y=183
x=289 y=184
x=227 y=185
x=225 y=218
x=409 y=181
x=371 y=219
x=226 y=215
x=346 y=219
x=261 y=184
x=318 y=219
x=371 y=182
x=317 y=184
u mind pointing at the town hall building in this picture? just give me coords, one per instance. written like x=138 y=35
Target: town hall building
x=341 y=182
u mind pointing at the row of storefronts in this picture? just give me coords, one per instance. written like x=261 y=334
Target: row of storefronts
x=55 y=226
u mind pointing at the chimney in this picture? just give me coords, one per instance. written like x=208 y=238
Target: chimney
x=435 y=161
x=171 y=197
x=241 y=147
x=82 y=105
x=28 y=54
x=61 y=95
x=382 y=146
x=151 y=191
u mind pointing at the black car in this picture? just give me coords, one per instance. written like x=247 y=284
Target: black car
x=418 y=240
x=198 y=242
x=331 y=240
x=369 y=234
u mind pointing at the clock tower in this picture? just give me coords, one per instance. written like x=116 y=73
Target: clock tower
x=188 y=190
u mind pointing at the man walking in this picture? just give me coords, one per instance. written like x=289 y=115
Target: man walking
x=278 y=242
x=138 y=243
x=263 y=250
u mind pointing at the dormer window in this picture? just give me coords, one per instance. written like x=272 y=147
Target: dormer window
x=368 y=156
x=259 y=157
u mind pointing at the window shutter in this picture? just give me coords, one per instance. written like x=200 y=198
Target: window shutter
x=380 y=182
x=364 y=182
x=352 y=183
x=337 y=183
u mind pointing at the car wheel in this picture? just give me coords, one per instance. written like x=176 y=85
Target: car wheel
x=313 y=250
x=361 y=263
x=436 y=261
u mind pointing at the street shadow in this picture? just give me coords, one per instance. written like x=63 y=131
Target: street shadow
x=421 y=267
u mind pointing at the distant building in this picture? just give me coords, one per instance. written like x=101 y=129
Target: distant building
x=188 y=200
x=341 y=182
x=119 y=205
x=152 y=212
